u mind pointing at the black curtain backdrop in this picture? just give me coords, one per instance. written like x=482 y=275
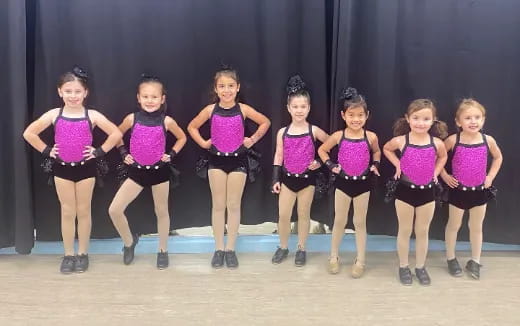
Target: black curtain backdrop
x=392 y=51
x=446 y=50
x=16 y=219
x=184 y=42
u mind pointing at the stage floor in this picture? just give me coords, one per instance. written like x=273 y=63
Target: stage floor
x=190 y=292
x=186 y=243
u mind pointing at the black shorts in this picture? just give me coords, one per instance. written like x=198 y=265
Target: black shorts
x=151 y=177
x=75 y=173
x=353 y=188
x=415 y=197
x=467 y=199
x=228 y=164
x=296 y=184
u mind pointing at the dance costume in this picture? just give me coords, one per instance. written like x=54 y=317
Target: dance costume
x=227 y=152
x=354 y=156
x=298 y=153
x=72 y=135
x=469 y=166
x=417 y=169
x=147 y=146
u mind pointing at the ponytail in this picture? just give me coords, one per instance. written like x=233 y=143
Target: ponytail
x=401 y=127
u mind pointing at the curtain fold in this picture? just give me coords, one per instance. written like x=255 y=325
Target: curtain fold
x=16 y=222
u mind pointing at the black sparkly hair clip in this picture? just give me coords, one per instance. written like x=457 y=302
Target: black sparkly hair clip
x=225 y=67
x=348 y=94
x=295 y=84
x=79 y=72
x=146 y=77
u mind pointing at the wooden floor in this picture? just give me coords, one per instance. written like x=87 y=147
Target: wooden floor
x=190 y=292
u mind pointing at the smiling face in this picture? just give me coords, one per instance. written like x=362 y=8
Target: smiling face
x=470 y=119
x=226 y=88
x=420 y=121
x=73 y=93
x=150 y=96
x=298 y=108
x=355 y=117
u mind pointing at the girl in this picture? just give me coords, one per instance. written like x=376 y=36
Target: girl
x=228 y=168
x=74 y=168
x=148 y=165
x=293 y=171
x=469 y=183
x=358 y=155
x=422 y=159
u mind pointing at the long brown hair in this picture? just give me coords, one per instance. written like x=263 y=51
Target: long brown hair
x=438 y=128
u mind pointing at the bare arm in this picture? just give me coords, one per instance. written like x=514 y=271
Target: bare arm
x=324 y=149
x=196 y=123
x=32 y=132
x=114 y=135
x=322 y=136
x=277 y=162
x=125 y=125
x=374 y=146
x=173 y=127
x=376 y=151
x=449 y=143
x=442 y=157
x=328 y=144
x=496 y=163
x=278 y=154
x=261 y=120
x=319 y=134
x=389 y=149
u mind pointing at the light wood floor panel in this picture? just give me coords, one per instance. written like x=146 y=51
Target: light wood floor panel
x=190 y=292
